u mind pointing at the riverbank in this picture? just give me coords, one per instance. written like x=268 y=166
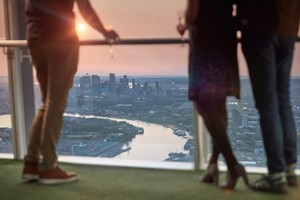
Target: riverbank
x=155 y=144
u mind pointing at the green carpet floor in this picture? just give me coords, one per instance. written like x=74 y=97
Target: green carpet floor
x=114 y=183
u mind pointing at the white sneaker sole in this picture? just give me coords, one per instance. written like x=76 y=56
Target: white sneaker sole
x=57 y=181
x=30 y=177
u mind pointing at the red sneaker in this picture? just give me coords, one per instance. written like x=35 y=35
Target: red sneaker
x=57 y=176
x=30 y=171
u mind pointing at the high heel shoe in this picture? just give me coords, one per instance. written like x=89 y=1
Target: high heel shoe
x=233 y=175
x=211 y=175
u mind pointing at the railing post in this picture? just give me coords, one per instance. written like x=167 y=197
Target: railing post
x=197 y=158
x=20 y=78
x=201 y=141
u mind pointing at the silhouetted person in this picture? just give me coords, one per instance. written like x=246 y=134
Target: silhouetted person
x=54 y=46
x=213 y=75
x=269 y=29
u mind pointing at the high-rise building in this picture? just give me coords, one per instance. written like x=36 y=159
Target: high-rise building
x=236 y=117
x=146 y=88
x=95 y=81
x=133 y=83
x=244 y=116
x=124 y=82
x=104 y=88
x=85 y=82
x=96 y=85
x=244 y=121
x=112 y=82
x=124 y=85
x=156 y=85
x=112 y=78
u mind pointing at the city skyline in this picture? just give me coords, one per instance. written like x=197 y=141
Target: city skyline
x=104 y=113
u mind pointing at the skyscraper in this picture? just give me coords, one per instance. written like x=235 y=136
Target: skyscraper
x=95 y=81
x=133 y=83
x=96 y=85
x=85 y=82
x=236 y=117
x=112 y=82
x=124 y=82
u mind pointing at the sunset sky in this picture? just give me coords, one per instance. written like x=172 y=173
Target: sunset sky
x=136 y=19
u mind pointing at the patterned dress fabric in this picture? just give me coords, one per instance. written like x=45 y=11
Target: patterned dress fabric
x=213 y=67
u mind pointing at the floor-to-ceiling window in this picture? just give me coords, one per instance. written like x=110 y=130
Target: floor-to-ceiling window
x=5 y=110
x=129 y=102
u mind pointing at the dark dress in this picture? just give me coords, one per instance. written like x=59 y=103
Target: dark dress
x=213 y=68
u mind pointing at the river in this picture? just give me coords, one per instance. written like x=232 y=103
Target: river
x=155 y=144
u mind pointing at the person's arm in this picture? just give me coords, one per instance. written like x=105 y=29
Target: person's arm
x=90 y=16
x=191 y=12
x=190 y=15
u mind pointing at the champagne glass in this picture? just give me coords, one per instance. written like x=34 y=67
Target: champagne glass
x=111 y=49
x=111 y=42
x=181 y=21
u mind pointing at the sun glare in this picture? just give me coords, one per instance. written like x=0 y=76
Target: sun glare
x=81 y=27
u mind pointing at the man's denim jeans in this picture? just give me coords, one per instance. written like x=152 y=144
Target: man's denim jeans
x=269 y=59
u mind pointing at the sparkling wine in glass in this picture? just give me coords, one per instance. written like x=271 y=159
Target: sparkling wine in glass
x=111 y=42
x=181 y=21
x=111 y=49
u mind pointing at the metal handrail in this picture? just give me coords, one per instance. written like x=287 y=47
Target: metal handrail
x=142 y=41
x=13 y=43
